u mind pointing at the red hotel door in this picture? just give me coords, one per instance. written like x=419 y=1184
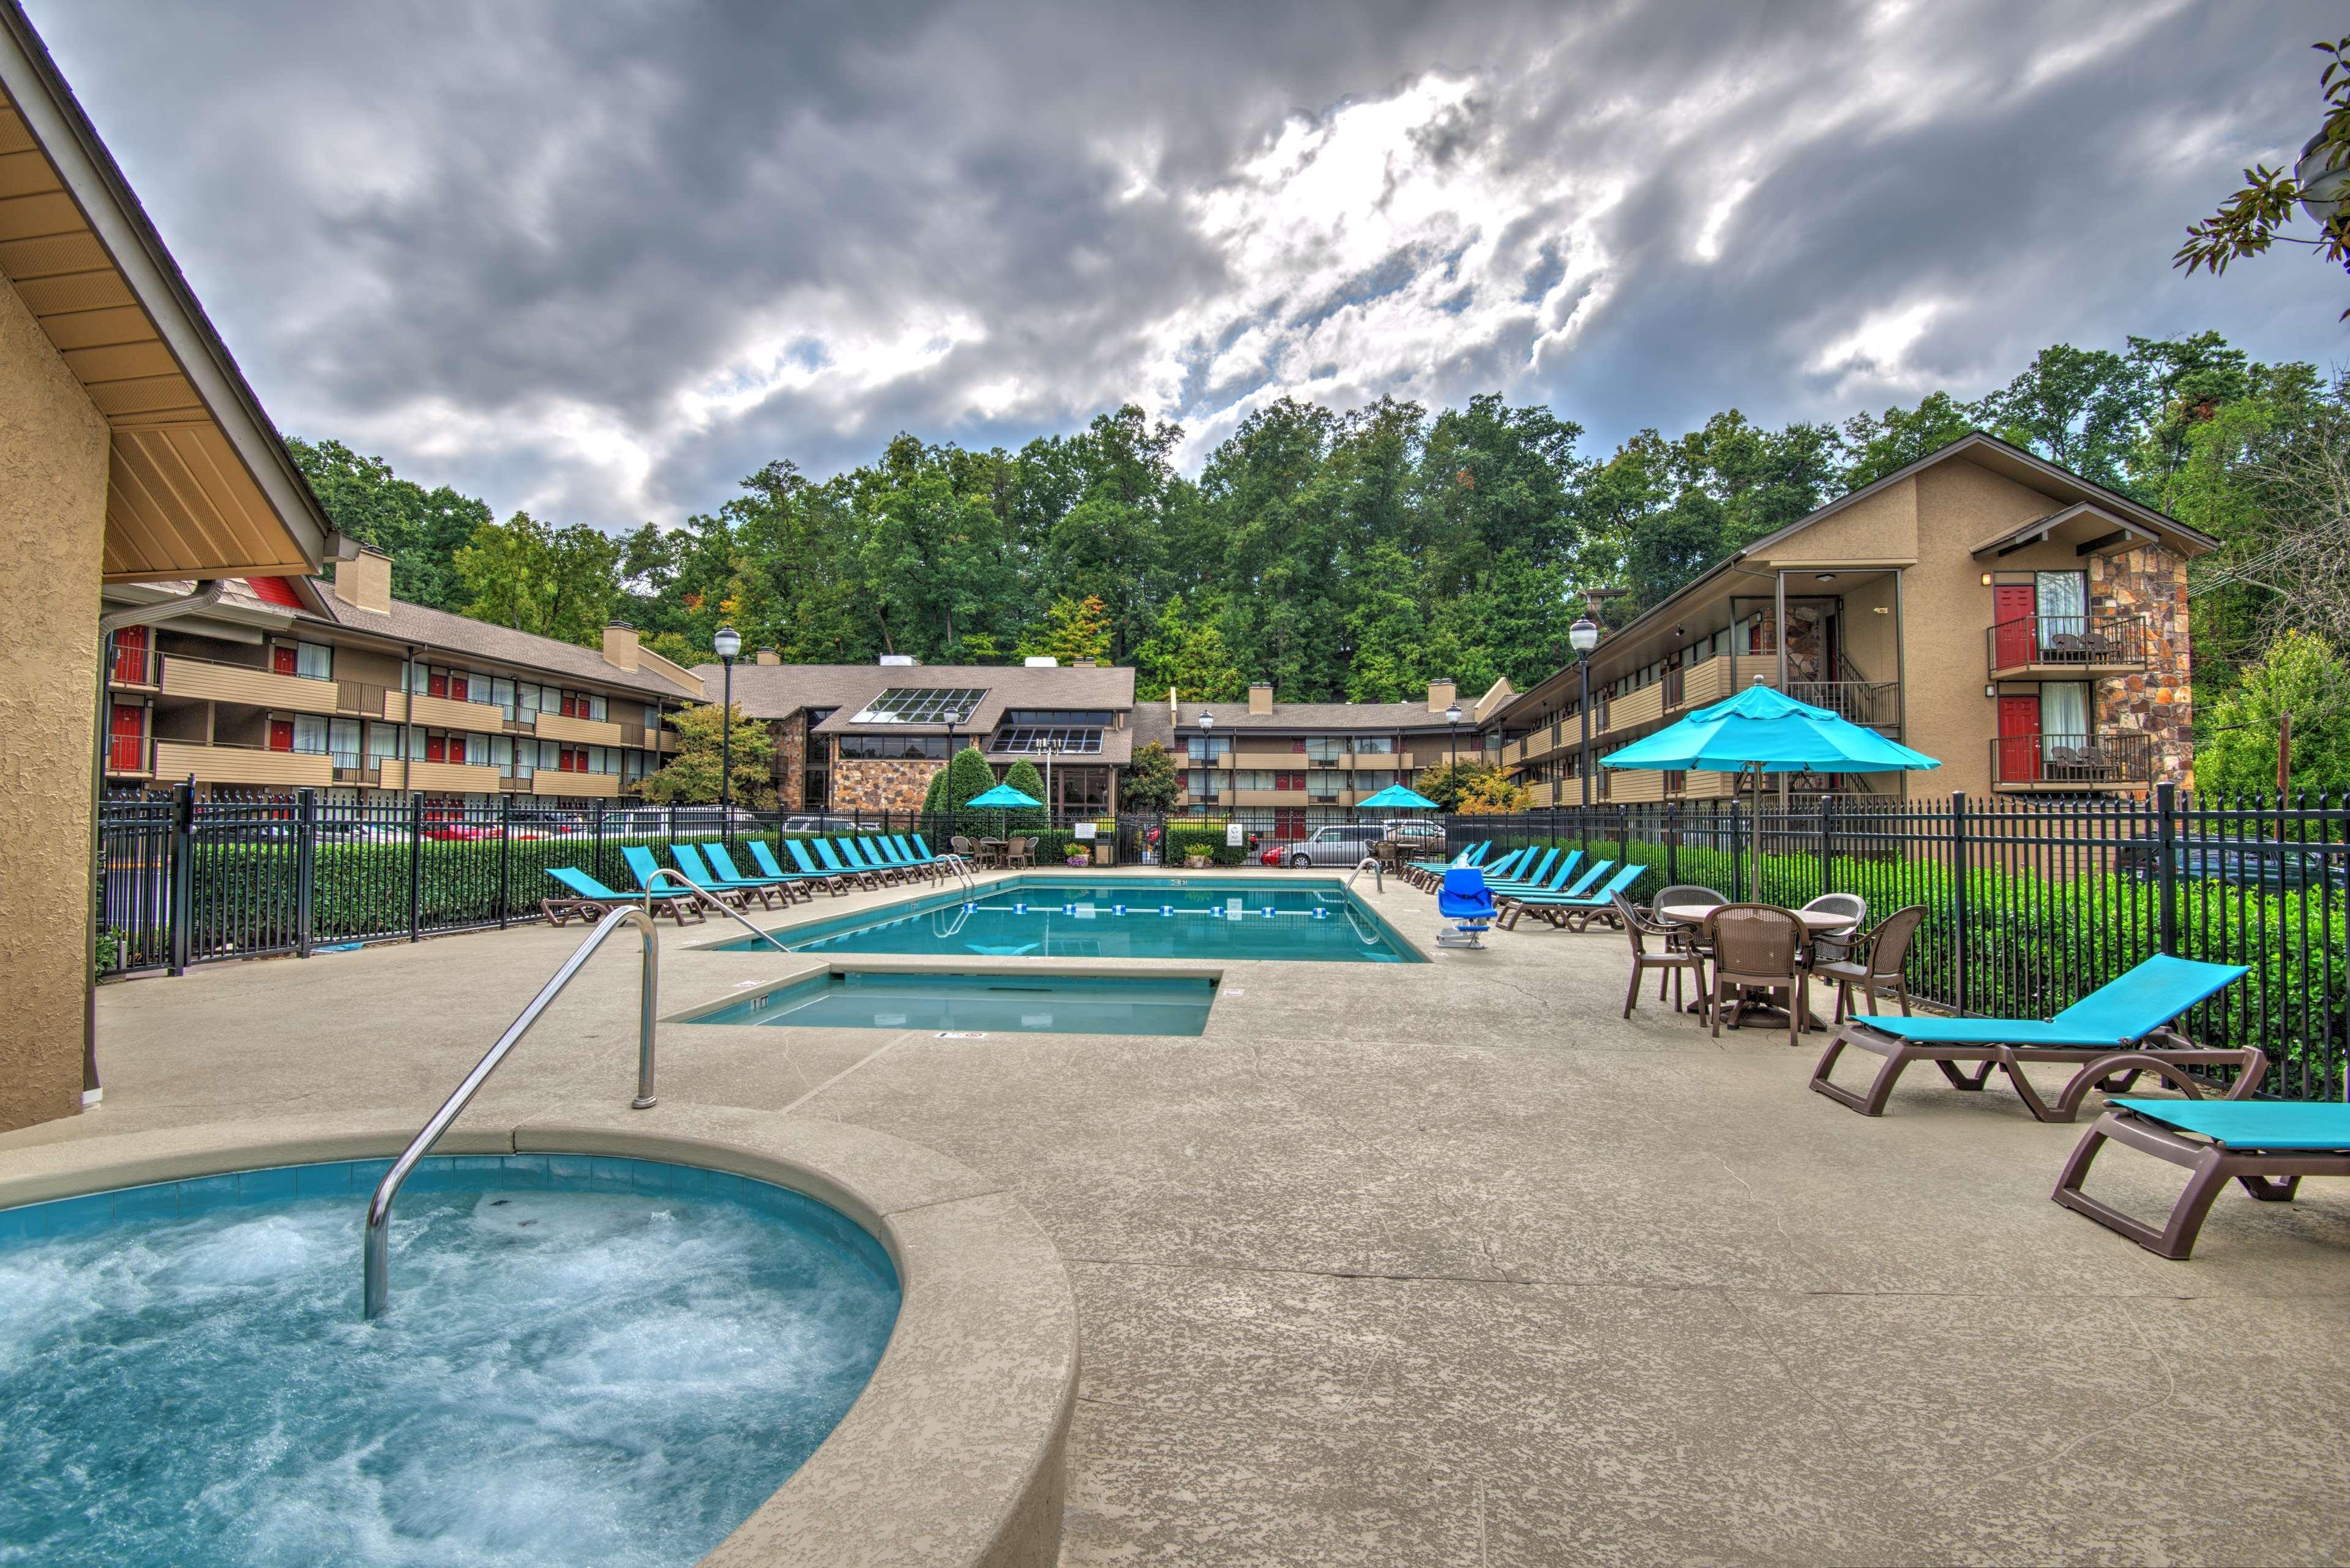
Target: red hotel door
x=126 y=738
x=2014 y=611
x=2019 y=740
x=283 y=659
x=281 y=735
x=130 y=655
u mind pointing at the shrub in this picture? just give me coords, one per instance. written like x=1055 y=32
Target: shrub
x=1022 y=776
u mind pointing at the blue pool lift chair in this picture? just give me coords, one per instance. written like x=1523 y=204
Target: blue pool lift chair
x=1467 y=903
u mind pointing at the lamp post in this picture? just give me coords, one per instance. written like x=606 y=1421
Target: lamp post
x=728 y=643
x=1583 y=636
x=1049 y=748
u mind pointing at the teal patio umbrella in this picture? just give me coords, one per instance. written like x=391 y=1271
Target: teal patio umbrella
x=1761 y=731
x=1003 y=797
x=1397 y=797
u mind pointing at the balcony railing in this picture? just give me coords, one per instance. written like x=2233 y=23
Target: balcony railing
x=2067 y=644
x=2074 y=762
x=1874 y=704
x=130 y=755
x=140 y=666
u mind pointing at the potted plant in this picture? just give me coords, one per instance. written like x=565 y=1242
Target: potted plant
x=1078 y=856
x=1196 y=859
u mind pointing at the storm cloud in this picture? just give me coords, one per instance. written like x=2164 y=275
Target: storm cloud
x=600 y=261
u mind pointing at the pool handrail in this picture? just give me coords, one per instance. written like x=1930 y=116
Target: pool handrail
x=375 y=1291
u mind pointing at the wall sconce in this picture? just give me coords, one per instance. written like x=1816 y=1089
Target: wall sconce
x=1986 y=579
x=1880 y=610
x=1989 y=689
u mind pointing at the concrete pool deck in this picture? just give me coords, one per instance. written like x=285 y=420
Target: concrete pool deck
x=1446 y=1263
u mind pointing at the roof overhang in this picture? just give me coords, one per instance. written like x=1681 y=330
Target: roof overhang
x=199 y=483
x=2089 y=528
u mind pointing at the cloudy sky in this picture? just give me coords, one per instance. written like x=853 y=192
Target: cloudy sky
x=601 y=259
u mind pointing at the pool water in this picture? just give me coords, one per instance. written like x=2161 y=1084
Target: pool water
x=1001 y=1003
x=587 y=1362
x=1061 y=916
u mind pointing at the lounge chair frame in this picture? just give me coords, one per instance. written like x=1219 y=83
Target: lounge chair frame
x=2270 y=1176
x=2163 y=1052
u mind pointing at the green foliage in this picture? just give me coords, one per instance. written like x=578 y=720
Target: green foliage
x=1149 y=782
x=1186 y=652
x=968 y=775
x=1022 y=776
x=691 y=777
x=934 y=796
x=2297 y=674
x=1181 y=841
x=420 y=530
x=2246 y=224
x=1449 y=783
x=1072 y=630
x=550 y=582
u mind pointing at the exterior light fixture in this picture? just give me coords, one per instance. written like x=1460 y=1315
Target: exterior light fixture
x=1986 y=579
x=1582 y=636
x=727 y=642
x=1823 y=576
x=2322 y=181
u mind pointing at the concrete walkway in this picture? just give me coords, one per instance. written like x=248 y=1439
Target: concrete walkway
x=1444 y=1263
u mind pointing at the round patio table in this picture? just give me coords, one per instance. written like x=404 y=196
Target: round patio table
x=1815 y=921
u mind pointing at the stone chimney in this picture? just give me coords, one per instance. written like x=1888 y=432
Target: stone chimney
x=621 y=646
x=364 y=581
x=1261 y=697
x=769 y=656
x=1442 y=695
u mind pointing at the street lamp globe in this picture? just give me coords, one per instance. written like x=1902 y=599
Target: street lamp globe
x=1207 y=720
x=1584 y=635
x=2323 y=175
x=728 y=642
x=1453 y=714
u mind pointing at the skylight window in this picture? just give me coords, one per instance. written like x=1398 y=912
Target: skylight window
x=921 y=705
x=1030 y=737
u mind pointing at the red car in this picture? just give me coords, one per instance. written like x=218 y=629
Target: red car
x=449 y=830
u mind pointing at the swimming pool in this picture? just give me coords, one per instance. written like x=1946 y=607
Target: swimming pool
x=1055 y=915
x=590 y=1361
x=1000 y=1002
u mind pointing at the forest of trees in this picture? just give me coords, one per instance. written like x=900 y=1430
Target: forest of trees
x=1357 y=555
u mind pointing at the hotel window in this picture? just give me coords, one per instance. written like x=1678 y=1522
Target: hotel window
x=502 y=695
x=893 y=748
x=921 y=705
x=1374 y=778
x=310 y=734
x=652 y=716
x=315 y=660
x=383 y=742
x=343 y=742
x=1375 y=745
x=2062 y=602
x=1324 y=749
x=1207 y=748
x=529 y=698
x=1201 y=783
x=501 y=754
x=1322 y=784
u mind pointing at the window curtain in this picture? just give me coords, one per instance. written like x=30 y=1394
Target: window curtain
x=2062 y=603
x=2065 y=713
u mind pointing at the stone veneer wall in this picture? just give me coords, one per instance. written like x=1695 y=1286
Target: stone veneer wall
x=896 y=786
x=791 y=753
x=2149 y=581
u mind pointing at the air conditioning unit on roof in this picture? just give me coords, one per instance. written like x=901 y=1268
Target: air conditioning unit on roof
x=1042 y=661
x=898 y=658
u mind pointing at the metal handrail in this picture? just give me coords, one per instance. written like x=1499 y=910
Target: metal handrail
x=375 y=1293
x=715 y=902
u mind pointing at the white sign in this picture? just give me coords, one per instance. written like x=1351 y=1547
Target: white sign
x=1233 y=838
x=1086 y=829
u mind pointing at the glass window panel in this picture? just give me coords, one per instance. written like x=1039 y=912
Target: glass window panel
x=2065 y=713
x=1375 y=745
x=502 y=693
x=2062 y=601
x=921 y=705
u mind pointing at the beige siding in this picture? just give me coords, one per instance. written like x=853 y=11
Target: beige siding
x=578 y=731
x=243 y=766
x=584 y=786
x=451 y=778
x=256 y=687
x=447 y=713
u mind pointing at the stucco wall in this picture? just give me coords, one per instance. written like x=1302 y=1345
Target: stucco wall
x=53 y=474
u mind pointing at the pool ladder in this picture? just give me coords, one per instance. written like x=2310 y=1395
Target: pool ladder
x=375 y=1293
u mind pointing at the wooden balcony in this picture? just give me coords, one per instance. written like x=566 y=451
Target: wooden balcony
x=206 y=681
x=2065 y=647
x=2060 y=764
x=577 y=732
x=438 y=778
x=576 y=786
x=445 y=713
x=252 y=765
x=1642 y=707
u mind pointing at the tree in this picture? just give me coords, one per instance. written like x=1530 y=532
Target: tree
x=2300 y=675
x=968 y=775
x=1186 y=654
x=1877 y=445
x=2246 y=224
x=420 y=530
x=1490 y=794
x=1073 y=629
x=2076 y=407
x=691 y=777
x=934 y=798
x=1149 y=782
x=1449 y=784
x=558 y=583
x=1022 y=776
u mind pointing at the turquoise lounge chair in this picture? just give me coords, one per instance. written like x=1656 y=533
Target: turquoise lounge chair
x=590 y=899
x=834 y=882
x=643 y=868
x=2127 y=1020
x=881 y=852
x=2267 y=1145
x=1573 y=912
x=883 y=875
x=839 y=867
x=1555 y=882
x=1537 y=879
x=1428 y=873
x=720 y=872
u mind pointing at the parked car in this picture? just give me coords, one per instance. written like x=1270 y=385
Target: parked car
x=812 y=824
x=2246 y=862
x=1345 y=843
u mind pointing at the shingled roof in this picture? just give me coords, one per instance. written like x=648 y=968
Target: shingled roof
x=441 y=632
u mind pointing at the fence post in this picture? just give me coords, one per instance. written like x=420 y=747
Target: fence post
x=1673 y=841
x=505 y=850
x=598 y=861
x=415 y=863
x=1959 y=890
x=183 y=872
x=1827 y=840
x=2166 y=835
x=305 y=867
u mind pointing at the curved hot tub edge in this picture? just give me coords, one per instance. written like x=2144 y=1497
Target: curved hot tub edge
x=952 y=1455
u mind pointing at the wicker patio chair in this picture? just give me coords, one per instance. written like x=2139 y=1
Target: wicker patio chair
x=1677 y=959
x=1756 y=946
x=1873 y=963
x=1828 y=946
x=1679 y=934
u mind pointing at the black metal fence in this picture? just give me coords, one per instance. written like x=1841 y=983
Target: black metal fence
x=2030 y=902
